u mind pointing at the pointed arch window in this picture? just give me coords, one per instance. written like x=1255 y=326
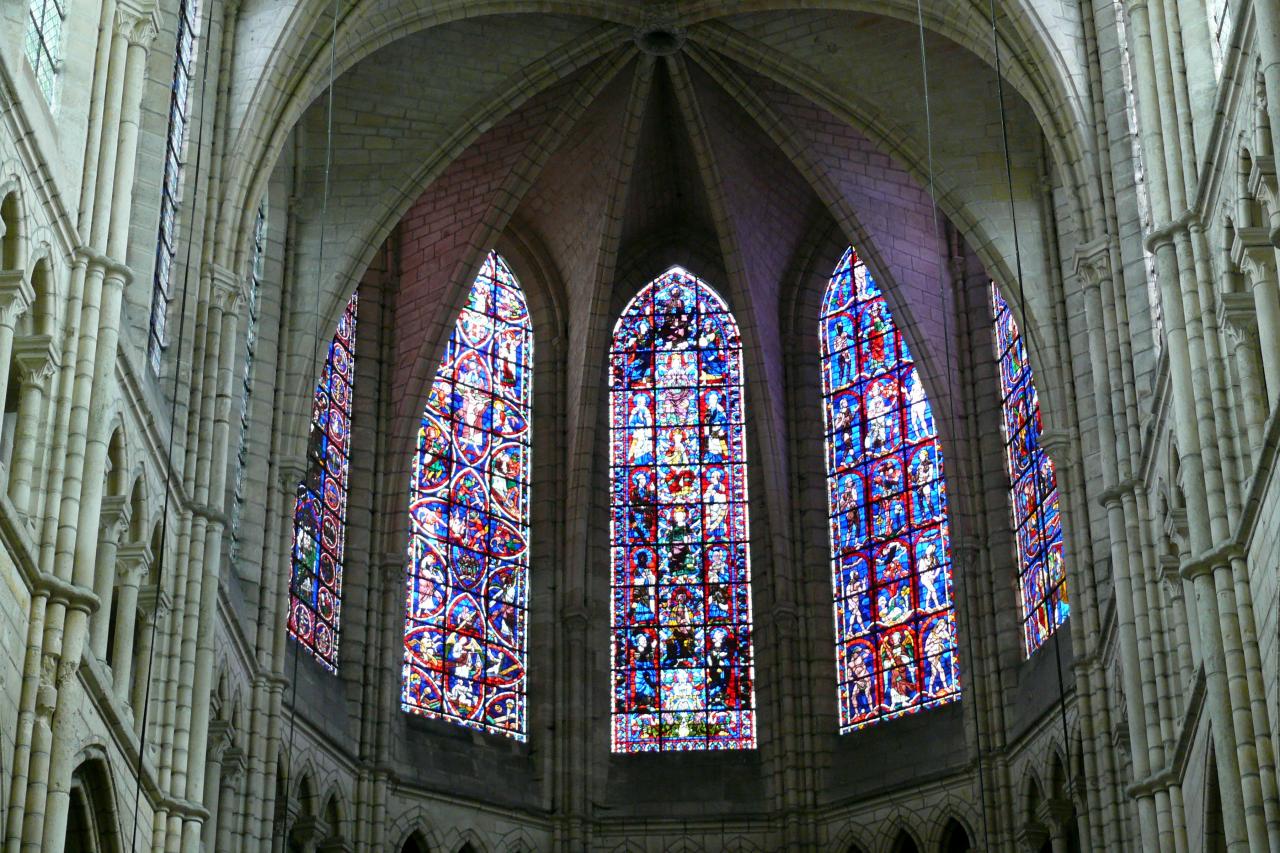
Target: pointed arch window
x=887 y=496
x=683 y=671
x=467 y=580
x=320 y=515
x=1033 y=498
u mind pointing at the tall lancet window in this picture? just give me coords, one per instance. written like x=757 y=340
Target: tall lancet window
x=175 y=152
x=890 y=543
x=320 y=515
x=465 y=640
x=1033 y=499
x=682 y=646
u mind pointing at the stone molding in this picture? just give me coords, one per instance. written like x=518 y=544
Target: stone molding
x=36 y=357
x=16 y=296
x=1252 y=252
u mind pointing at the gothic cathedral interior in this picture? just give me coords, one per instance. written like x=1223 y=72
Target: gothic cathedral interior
x=499 y=426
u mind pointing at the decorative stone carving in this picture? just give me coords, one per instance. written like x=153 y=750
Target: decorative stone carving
x=35 y=357
x=135 y=24
x=1093 y=261
x=16 y=296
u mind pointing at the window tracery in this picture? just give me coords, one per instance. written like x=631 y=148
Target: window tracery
x=1033 y=497
x=320 y=515
x=683 y=671
x=171 y=188
x=467 y=583
x=887 y=497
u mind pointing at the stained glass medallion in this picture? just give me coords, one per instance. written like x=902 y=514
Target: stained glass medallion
x=887 y=497
x=1033 y=499
x=467 y=580
x=683 y=671
x=320 y=514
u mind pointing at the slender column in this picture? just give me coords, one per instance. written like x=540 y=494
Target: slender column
x=1031 y=838
x=16 y=296
x=1267 y=28
x=37 y=363
x=219 y=740
x=1252 y=252
x=153 y=605
x=233 y=764
x=223 y=322
x=1236 y=314
x=273 y=630
x=133 y=563
x=115 y=522
x=1055 y=814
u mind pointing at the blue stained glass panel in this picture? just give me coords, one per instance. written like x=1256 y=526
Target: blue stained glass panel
x=683 y=673
x=1033 y=499
x=887 y=496
x=467 y=583
x=320 y=514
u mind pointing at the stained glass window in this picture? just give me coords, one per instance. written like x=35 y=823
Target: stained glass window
x=682 y=648
x=1033 y=499
x=45 y=19
x=171 y=187
x=467 y=582
x=256 y=267
x=320 y=515
x=887 y=496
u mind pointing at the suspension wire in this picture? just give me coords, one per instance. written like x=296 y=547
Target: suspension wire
x=173 y=420
x=320 y=327
x=950 y=367
x=1032 y=349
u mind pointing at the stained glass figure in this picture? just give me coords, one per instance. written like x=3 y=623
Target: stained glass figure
x=320 y=515
x=683 y=673
x=465 y=639
x=1033 y=498
x=887 y=495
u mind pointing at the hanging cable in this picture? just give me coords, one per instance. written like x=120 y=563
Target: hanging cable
x=320 y=327
x=949 y=361
x=168 y=485
x=1032 y=349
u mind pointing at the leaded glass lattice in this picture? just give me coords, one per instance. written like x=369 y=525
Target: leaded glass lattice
x=171 y=187
x=887 y=496
x=1033 y=498
x=683 y=674
x=320 y=515
x=467 y=584
x=43 y=43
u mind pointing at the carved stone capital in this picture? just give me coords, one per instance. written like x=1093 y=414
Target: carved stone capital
x=1237 y=316
x=289 y=475
x=1251 y=251
x=1032 y=837
x=115 y=517
x=154 y=603
x=138 y=25
x=16 y=296
x=35 y=358
x=1116 y=493
x=1093 y=261
x=219 y=739
x=1059 y=445
x=1054 y=813
x=133 y=562
x=1262 y=178
x=226 y=290
x=234 y=764
x=67 y=594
